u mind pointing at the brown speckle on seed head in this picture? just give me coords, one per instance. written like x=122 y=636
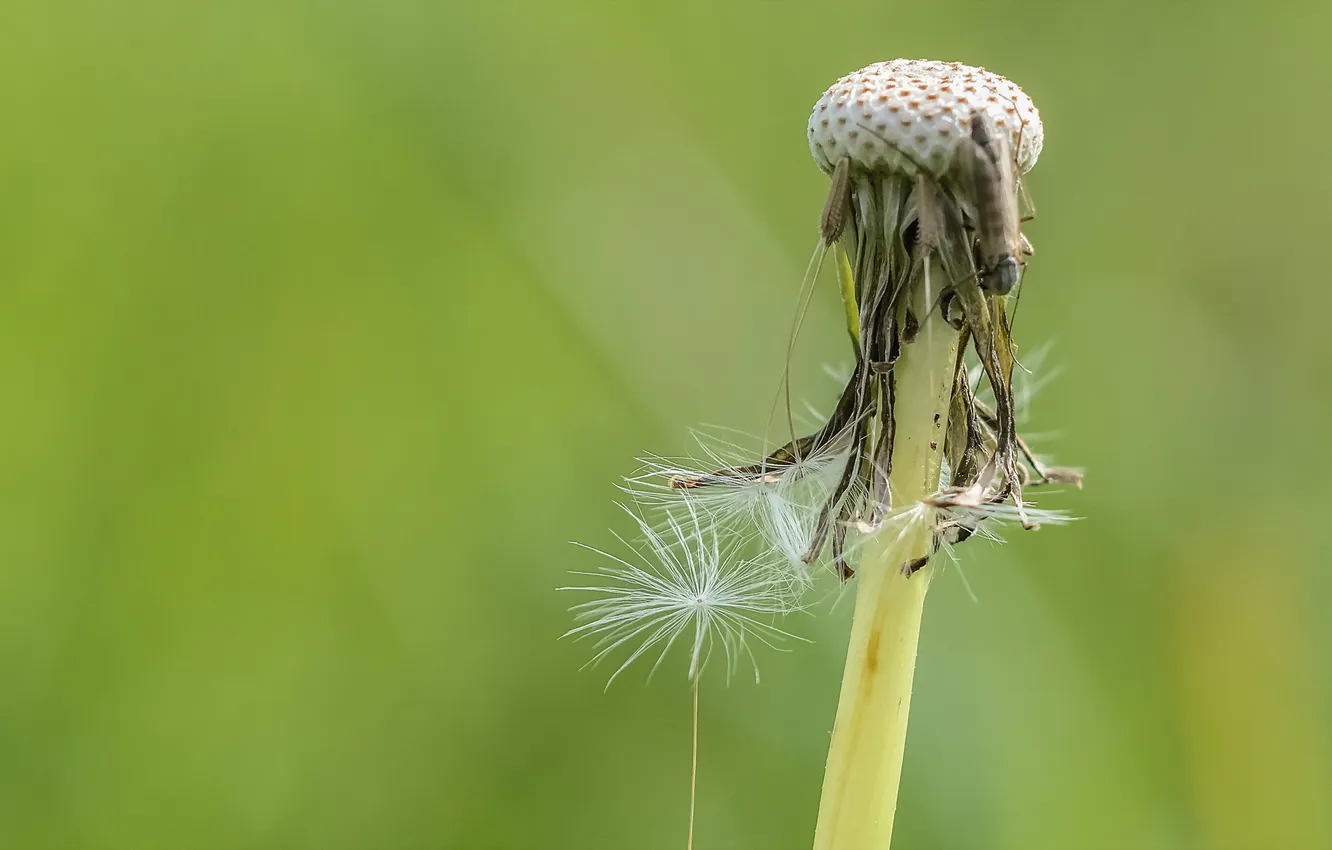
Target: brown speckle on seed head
x=900 y=96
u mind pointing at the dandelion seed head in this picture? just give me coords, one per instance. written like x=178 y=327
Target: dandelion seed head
x=920 y=108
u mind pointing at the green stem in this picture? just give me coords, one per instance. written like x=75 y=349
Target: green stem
x=869 y=738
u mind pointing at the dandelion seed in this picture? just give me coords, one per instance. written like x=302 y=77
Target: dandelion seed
x=778 y=500
x=967 y=511
x=686 y=584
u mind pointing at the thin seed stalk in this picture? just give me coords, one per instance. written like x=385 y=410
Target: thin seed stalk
x=864 y=765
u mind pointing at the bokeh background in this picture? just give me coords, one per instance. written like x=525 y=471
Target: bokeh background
x=324 y=326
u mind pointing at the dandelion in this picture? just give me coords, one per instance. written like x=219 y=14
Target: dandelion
x=919 y=454
x=926 y=161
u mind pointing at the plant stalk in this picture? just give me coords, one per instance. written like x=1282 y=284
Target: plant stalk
x=869 y=738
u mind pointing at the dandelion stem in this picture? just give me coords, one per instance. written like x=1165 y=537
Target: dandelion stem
x=693 y=771
x=868 y=741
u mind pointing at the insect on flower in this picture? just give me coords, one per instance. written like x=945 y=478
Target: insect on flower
x=923 y=159
x=989 y=171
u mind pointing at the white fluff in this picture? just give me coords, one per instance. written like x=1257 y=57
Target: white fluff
x=686 y=583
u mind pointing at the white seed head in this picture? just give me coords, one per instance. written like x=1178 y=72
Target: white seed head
x=913 y=112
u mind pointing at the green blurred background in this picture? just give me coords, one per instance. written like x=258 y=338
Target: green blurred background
x=324 y=326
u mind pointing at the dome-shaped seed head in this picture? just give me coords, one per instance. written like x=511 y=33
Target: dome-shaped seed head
x=914 y=112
